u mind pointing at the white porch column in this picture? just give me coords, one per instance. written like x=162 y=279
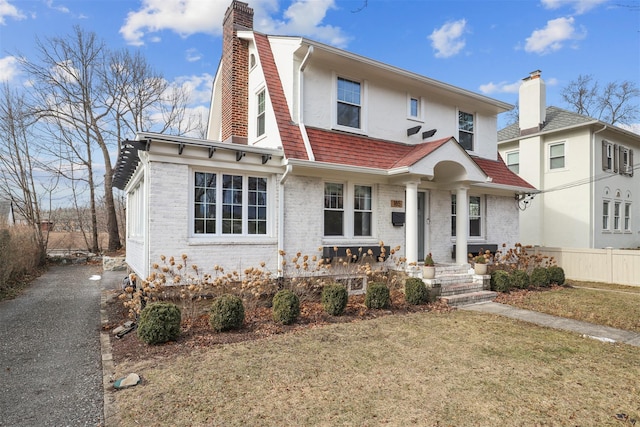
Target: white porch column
x=411 y=225
x=462 y=225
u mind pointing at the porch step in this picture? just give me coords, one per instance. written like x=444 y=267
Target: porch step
x=469 y=298
x=460 y=288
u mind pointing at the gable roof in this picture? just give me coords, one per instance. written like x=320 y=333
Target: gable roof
x=556 y=119
x=292 y=142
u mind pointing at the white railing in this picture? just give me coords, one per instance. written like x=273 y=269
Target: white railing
x=621 y=266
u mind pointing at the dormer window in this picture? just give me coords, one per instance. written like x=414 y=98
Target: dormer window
x=465 y=130
x=349 y=103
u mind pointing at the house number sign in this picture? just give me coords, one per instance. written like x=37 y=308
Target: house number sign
x=396 y=203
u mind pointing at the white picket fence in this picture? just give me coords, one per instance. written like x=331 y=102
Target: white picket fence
x=619 y=266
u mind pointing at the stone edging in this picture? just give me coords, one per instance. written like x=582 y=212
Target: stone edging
x=111 y=418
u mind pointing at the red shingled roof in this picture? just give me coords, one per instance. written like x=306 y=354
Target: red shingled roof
x=500 y=173
x=355 y=150
x=292 y=142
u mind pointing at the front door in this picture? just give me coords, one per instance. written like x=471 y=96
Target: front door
x=423 y=225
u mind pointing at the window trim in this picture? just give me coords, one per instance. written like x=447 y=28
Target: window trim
x=261 y=114
x=349 y=211
x=606 y=216
x=482 y=217
x=472 y=132
x=364 y=89
x=419 y=113
x=617 y=223
x=626 y=219
x=136 y=209
x=550 y=158
x=509 y=153
x=219 y=236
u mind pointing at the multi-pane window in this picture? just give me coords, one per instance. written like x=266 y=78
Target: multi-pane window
x=627 y=217
x=414 y=107
x=626 y=161
x=475 y=216
x=607 y=156
x=229 y=204
x=333 y=209
x=205 y=203
x=257 y=206
x=616 y=216
x=465 y=130
x=362 y=210
x=513 y=161
x=135 y=211
x=605 y=215
x=349 y=103
x=556 y=156
x=617 y=158
x=260 y=119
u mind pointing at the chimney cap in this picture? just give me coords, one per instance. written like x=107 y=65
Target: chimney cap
x=533 y=75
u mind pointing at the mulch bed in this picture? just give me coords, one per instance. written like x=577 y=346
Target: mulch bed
x=258 y=324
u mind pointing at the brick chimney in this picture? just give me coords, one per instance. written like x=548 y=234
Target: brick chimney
x=235 y=73
x=533 y=103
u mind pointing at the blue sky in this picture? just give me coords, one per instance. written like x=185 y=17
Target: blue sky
x=483 y=46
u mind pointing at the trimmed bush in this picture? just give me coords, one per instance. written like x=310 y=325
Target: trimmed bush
x=334 y=299
x=377 y=295
x=227 y=313
x=159 y=322
x=520 y=279
x=500 y=281
x=556 y=275
x=286 y=307
x=540 y=277
x=415 y=291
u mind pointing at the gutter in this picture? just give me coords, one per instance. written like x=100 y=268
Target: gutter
x=303 y=130
x=283 y=180
x=592 y=236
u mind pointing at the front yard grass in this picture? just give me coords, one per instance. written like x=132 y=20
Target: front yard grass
x=605 y=304
x=426 y=369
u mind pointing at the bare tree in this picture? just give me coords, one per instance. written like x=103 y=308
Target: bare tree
x=616 y=102
x=17 y=161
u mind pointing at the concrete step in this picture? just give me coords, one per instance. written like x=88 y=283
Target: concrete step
x=460 y=288
x=469 y=298
x=451 y=279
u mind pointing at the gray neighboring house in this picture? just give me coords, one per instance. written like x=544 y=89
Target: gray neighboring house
x=584 y=169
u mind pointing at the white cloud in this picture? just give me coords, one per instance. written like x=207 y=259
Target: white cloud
x=186 y=17
x=448 y=40
x=7 y=9
x=193 y=55
x=502 y=87
x=304 y=18
x=8 y=68
x=633 y=127
x=552 y=37
x=198 y=87
x=579 y=6
x=62 y=9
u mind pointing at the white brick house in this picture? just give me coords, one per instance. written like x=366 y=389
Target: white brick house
x=311 y=147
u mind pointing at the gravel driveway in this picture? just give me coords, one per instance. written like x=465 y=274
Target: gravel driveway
x=50 y=359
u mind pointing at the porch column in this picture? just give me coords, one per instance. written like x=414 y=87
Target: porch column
x=462 y=225
x=411 y=218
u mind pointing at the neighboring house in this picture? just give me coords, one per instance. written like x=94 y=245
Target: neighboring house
x=585 y=171
x=313 y=147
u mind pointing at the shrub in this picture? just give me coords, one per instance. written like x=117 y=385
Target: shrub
x=334 y=299
x=159 y=322
x=520 y=279
x=227 y=312
x=500 y=281
x=415 y=291
x=286 y=307
x=540 y=277
x=377 y=295
x=556 y=275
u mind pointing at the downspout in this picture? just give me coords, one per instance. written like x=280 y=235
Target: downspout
x=593 y=188
x=303 y=130
x=283 y=180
